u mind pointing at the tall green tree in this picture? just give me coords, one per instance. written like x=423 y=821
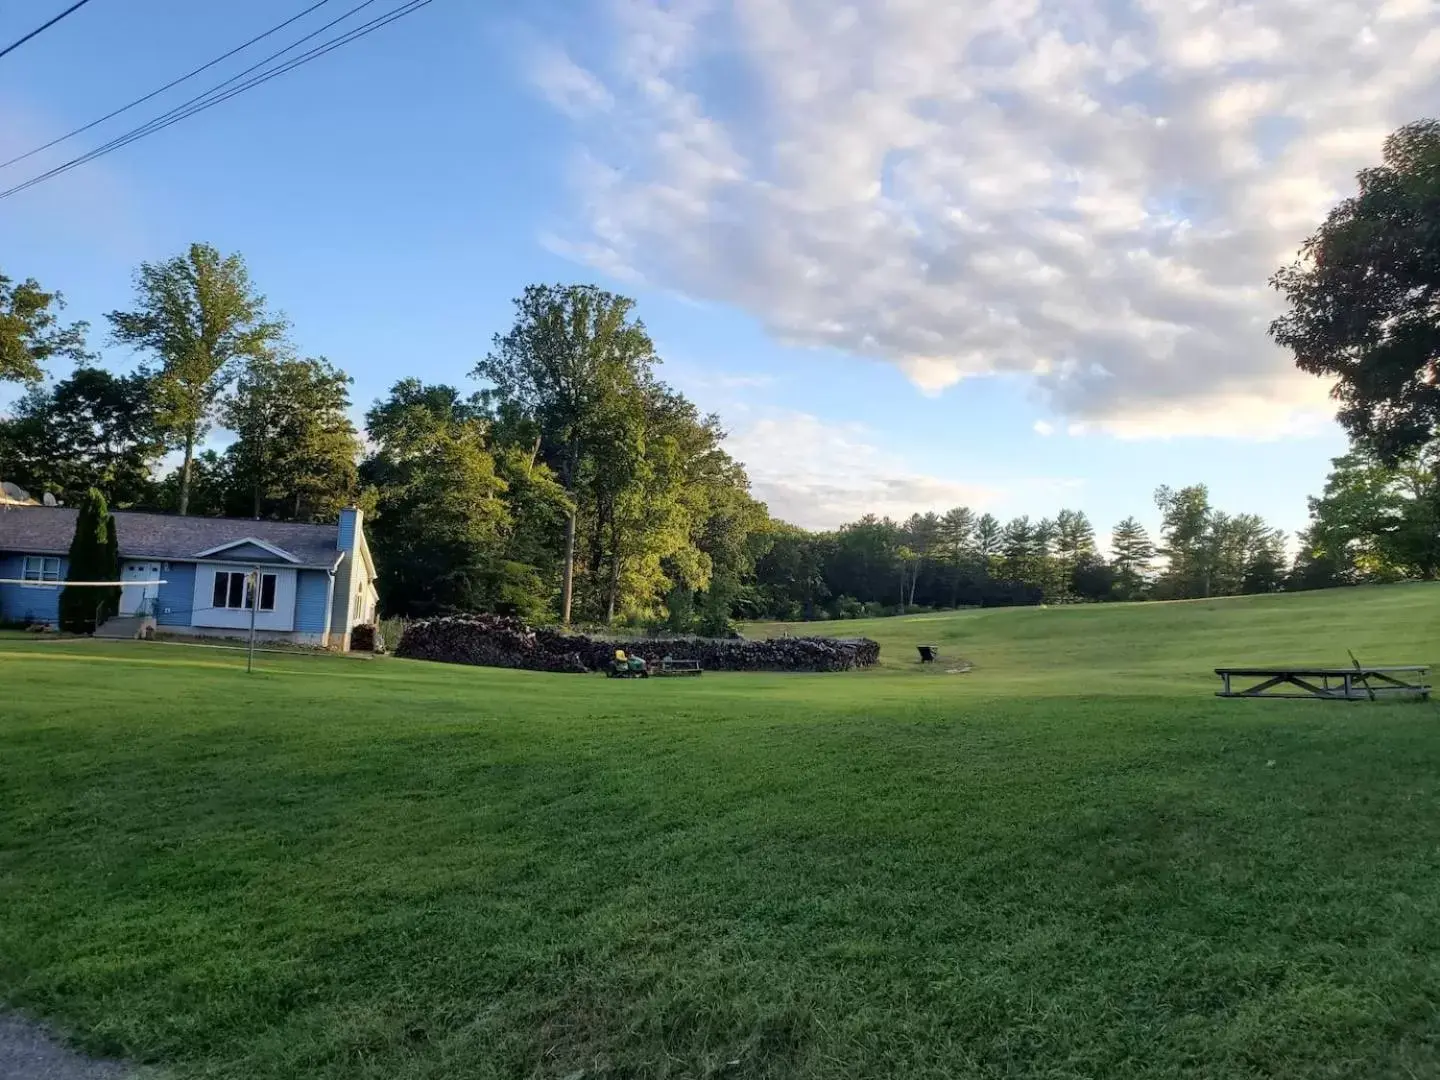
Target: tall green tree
x=211 y=488
x=1373 y=522
x=1021 y=549
x=1364 y=298
x=440 y=522
x=93 y=429
x=790 y=573
x=989 y=538
x=296 y=452
x=1186 y=541
x=93 y=557
x=1074 y=539
x=1131 y=555
x=571 y=350
x=921 y=535
x=957 y=548
x=537 y=505
x=31 y=332
x=200 y=318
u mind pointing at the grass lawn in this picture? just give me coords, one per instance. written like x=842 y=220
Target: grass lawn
x=1071 y=862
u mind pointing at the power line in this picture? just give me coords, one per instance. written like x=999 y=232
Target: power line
x=43 y=27
x=155 y=121
x=173 y=83
x=218 y=93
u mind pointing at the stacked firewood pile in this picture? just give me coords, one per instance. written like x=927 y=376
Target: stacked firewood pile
x=503 y=641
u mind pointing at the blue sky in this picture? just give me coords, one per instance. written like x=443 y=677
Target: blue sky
x=915 y=255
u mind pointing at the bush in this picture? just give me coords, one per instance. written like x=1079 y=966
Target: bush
x=366 y=637
x=392 y=629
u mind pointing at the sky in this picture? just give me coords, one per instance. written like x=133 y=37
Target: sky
x=1012 y=254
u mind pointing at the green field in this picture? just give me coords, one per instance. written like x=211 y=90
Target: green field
x=1072 y=861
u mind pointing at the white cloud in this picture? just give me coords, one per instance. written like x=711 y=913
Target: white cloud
x=822 y=474
x=566 y=85
x=1092 y=194
x=1044 y=427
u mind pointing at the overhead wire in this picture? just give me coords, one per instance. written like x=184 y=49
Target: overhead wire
x=168 y=86
x=218 y=93
x=156 y=123
x=43 y=27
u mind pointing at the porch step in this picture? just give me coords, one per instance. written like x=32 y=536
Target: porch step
x=126 y=627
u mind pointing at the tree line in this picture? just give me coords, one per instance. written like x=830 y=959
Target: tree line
x=961 y=558
x=569 y=481
x=565 y=480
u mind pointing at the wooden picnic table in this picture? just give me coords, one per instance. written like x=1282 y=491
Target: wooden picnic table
x=1356 y=683
x=928 y=653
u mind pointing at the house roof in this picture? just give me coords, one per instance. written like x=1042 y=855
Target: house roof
x=48 y=530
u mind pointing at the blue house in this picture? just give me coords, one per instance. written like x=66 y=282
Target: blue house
x=315 y=582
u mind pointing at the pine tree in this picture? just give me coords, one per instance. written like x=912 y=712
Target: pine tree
x=1133 y=551
x=93 y=557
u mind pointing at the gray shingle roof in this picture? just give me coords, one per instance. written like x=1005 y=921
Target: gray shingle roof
x=48 y=530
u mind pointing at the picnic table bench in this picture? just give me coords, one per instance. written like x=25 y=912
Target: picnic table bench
x=1356 y=683
x=679 y=667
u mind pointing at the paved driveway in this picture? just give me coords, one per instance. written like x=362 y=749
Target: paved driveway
x=28 y=1052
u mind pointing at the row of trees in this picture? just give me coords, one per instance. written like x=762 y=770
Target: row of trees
x=571 y=481
x=961 y=558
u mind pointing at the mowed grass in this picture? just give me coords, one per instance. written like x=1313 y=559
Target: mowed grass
x=1071 y=862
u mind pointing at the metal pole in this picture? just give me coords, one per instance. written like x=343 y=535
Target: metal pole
x=254 y=584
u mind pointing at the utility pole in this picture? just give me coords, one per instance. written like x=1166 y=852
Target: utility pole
x=254 y=590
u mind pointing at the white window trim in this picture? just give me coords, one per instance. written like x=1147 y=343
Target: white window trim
x=42 y=576
x=246 y=597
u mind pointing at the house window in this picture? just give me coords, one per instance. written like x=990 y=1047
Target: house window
x=233 y=591
x=40 y=569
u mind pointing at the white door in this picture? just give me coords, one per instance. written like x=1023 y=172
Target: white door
x=133 y=598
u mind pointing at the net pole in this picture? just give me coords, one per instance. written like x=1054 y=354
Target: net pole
x=254 y=603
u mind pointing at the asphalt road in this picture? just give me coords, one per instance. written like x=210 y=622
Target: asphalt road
x=29 y=1052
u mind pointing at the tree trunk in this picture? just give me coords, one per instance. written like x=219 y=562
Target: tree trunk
x=185 y=470
x=914 y=578
x=902 y=588
x=568 y=578
x=614 y=574
x=567 y=582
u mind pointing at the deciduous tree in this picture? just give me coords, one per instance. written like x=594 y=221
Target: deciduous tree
x=93 y=429
x=570 y=349
x=440 y=522
x=1364 y=298
x=296 y=452
x=31 y=332
x=200 y=319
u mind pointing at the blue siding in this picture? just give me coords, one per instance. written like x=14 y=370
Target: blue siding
x=348 y=543
x=177 y=595
x=249 y=553
x=19 y=603
x=346 y=540
x=312 y=588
